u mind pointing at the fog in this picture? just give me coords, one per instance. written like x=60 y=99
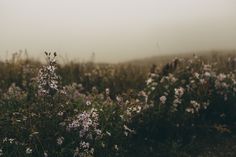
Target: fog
x=116 y=30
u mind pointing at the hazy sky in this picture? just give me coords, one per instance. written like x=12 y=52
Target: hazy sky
x=116 y=30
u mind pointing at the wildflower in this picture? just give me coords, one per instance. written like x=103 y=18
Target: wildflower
x=176 y=102
x=196 y=75
x=1 y=152
x=207 y=74
x=60 y=140
x=107 y=91
x=202 y=81
x=35 y=133
x=60 y=113
x=128 y=111
x=190 y=110
x=94 y=90
x=76 y=152
x=128 y=129
x=47 y=78
x=137 y=109
x=163 y=99
x=103 y=145
x=88 y=103
x=45 y=154
x=171 y=78
x=5 y=140
x=14 y=92
x=179 y=91
x=28 y=151
x=195 y=105
x=149 y=81
x=84 y=145
x=205 y=105
x=221 y=77
x=207 y=67
x=162 y=80
x=11 y=140
x=108 y=133
x=98 y=132
x=116 y=147
x=92 y=150
x=225 y=85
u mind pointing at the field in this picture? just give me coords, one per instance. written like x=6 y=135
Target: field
x=168 y=106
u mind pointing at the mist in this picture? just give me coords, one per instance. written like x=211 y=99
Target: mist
x=115 y=30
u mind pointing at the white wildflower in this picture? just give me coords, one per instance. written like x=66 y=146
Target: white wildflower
x=88 y=103
x=45 y=154
x=179 y=91
x=163 y=99
x=196 y=75
x=108 y=133
x=76 y=153
x=60 y=113
x=207 y=74
x=116 y=147
x=128 y=129
x=84 y=145
x=107 y=91
x=221 y=77
x=28 y=151
x=190 y=110
x=60 y=140
x=149 y=81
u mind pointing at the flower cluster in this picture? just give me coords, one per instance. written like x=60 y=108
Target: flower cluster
x=87 y=124
x=47 y=77
x=14 y=93
x=179 y=92
x=196 y=92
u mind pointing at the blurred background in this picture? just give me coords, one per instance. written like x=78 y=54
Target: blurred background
x=115 y=31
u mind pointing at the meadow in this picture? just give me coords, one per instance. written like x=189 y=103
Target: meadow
x=181 y=106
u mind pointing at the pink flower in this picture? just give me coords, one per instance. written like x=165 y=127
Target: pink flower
x=163 y=99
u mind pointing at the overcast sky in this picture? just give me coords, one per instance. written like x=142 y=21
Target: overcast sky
x=116 y=30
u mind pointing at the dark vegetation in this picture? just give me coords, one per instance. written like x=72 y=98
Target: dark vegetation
x=172 y=106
